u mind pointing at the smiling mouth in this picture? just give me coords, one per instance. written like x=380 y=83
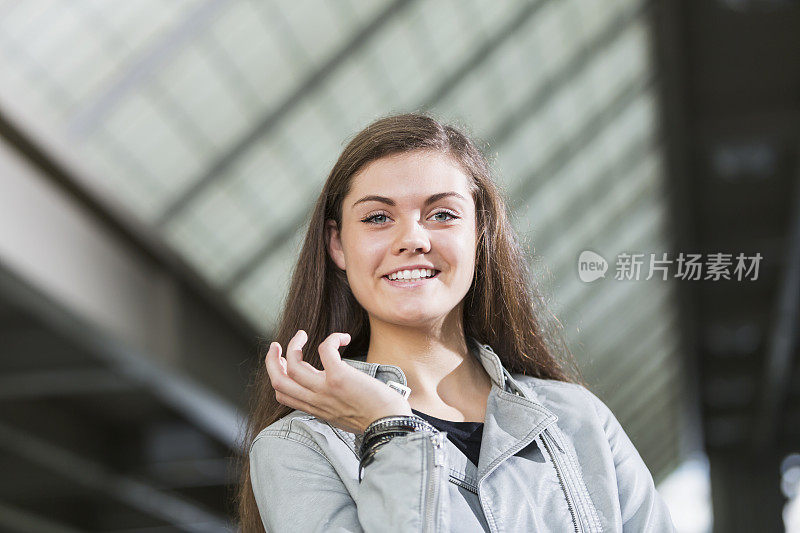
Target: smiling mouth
x=411 y=281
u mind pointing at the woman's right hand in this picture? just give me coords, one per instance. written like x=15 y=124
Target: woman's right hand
x=340 y=394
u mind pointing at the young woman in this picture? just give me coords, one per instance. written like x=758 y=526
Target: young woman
x=411 y=266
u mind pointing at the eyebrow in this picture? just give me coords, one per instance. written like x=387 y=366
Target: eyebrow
x=389 y=201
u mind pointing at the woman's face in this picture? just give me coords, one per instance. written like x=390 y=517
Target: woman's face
x=402 y=211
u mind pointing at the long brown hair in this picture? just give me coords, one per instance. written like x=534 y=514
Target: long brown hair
x=501 y=308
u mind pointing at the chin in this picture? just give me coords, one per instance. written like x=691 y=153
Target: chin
x=413 y=317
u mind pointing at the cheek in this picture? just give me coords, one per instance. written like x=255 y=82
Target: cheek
x=364 y=257
x=462 y=249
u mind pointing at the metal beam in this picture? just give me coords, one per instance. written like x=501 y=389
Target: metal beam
x=777 y=125
x=271 y=119
x=671 y=44
x=46 y=156
x=54 y=383
x=15 y=519
x=87 y=276
x=783 y=340
x=215 y=414
x=183 y=513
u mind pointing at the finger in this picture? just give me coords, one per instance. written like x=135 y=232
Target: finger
x=280 y=379
x=275 y=370
x=275 y=348
x=301 y=371
x=294 y=348
x=294 y=352
x=329 y=349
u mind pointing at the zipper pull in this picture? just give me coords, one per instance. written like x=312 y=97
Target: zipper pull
x=438 y=449
x=554 y=439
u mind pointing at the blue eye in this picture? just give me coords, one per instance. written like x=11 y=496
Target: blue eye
x=380 y=218
x=371 y=219
x=448 y=213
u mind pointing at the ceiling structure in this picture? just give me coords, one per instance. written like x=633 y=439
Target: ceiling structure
x=732 y=121
x=179 y=147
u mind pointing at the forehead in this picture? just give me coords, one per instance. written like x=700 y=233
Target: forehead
x=409 y=177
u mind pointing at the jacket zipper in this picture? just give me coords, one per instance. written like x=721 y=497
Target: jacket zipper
x=546 y=439
x=435 y=468
x=463 y=484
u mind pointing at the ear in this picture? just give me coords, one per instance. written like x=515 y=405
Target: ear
x=333 y=240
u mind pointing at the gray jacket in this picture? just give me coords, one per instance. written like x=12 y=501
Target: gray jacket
x=553 y=458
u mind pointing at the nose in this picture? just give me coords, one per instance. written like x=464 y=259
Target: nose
x=412 y=237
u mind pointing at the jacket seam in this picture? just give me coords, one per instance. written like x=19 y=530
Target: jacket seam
x=575 y=480
x=526 y=401
x=535 y=382
x=296 y=437
x=490 y=519
x=594 y=405
x=592 y=400
x=422 y=494
x=578 y=484
x=584 y=494
x=585 y=490
x=337 y=432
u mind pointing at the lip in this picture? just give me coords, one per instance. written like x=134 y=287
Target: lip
x=411 y=284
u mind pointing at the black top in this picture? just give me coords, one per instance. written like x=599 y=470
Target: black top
x=465 y=435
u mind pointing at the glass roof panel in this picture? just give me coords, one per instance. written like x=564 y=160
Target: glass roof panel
x=184 y=92
x=313 y=28
x=251 y=44
x=263 y=294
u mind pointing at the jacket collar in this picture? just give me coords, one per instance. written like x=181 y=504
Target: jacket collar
x=514 y=415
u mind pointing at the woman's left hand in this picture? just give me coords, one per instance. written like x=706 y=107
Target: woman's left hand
x=340 y=394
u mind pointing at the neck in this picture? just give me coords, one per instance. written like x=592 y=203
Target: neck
x=444 y=377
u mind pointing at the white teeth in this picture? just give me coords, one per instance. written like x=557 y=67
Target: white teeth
x=417 y=273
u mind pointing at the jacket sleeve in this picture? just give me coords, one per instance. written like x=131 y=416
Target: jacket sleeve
x=297 y=489
x=641 y=506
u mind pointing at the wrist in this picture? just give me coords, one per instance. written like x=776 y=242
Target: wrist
x=384 y=429
x=401 y=408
